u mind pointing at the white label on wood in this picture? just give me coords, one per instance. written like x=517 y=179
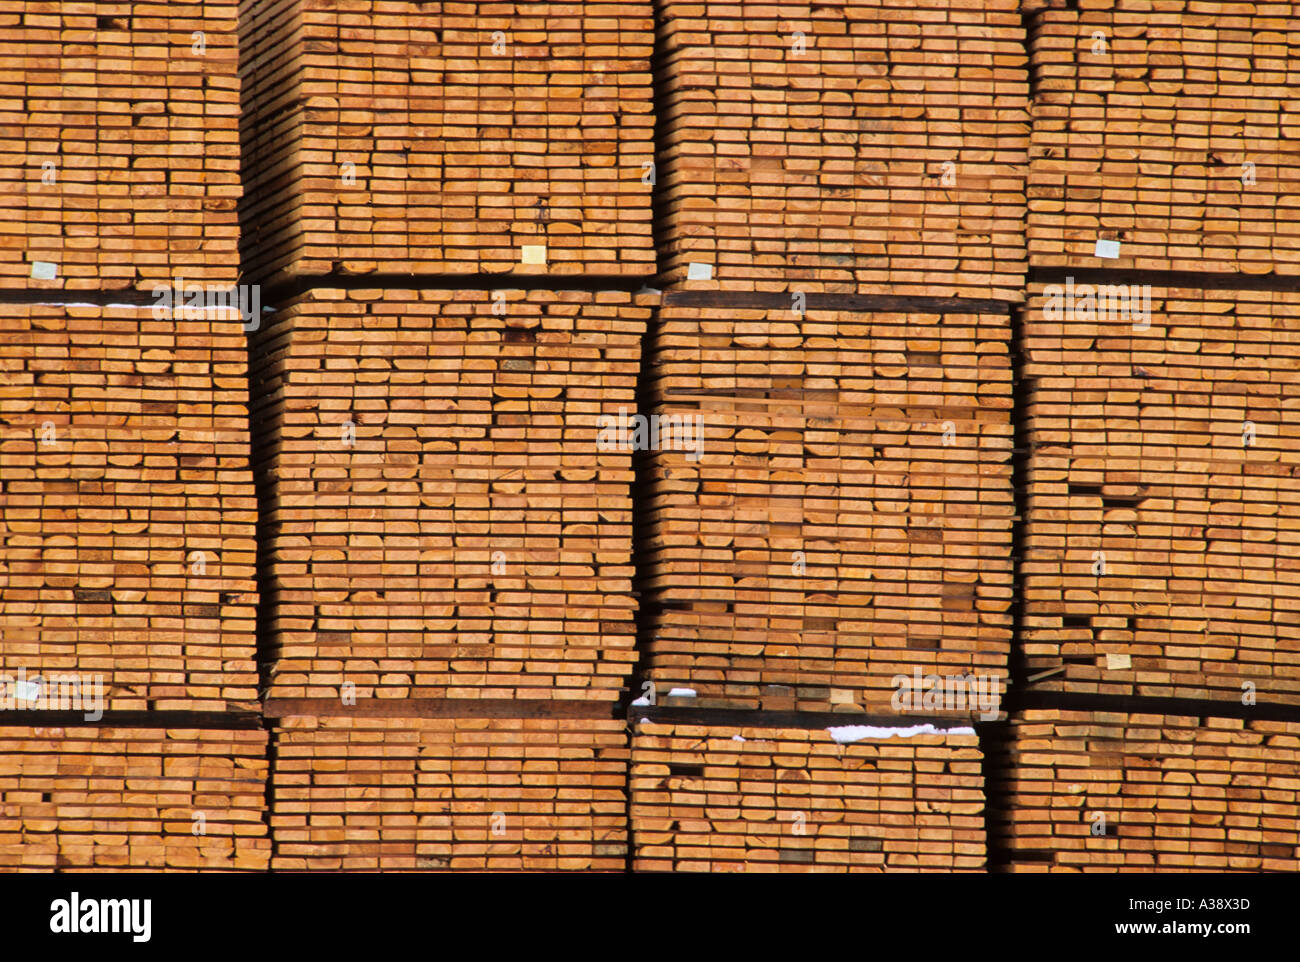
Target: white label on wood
x=699 y=272
x=533 y=254
x=1118 y=662
x=44 y=270
x=1107 y=248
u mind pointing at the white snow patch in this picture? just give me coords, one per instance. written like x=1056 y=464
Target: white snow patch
x=847 y=734
x=682 y=693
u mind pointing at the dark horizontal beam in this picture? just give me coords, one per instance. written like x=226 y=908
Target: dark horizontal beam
x=860 y=303
x=283 y=290
x=211 y=720
x=1019 y=700
x=136 y=298
x=1187 y=280
x=441 y=708
x=808 y=720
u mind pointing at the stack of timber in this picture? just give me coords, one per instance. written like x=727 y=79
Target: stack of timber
x=852 y=146
x=1163 y=535
x=447 y=138
x=443 y=518
x=1171 y=128
x=846 y=513
x=795 y=800
x=469 y=794
x=126 y=799
x=127 y=506
x=119 y=144
x=1114 y=792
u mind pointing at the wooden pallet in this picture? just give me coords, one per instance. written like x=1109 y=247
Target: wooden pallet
x=472 y=541
x=1112 y=792
x=1174 y=451
x=791 y=800
x=447 y=137
x=119 y=143
x=125 y=799
x=1144 y=121
x=127 y=508
x=805 y=146
x=463 y=794
x=849 y=518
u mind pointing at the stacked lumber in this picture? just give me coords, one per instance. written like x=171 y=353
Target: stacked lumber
x=1166 y=448
x=457 y=138
x=441 y=519
x=854 y=146
x=119 y=143
x=849 y=515
x=795 y=800
x=1171 y=128
x=127 y=507
x=471 y=794
x=1114 y=792
x=126 y=799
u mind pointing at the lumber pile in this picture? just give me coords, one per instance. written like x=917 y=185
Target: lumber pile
x=847 y=517
x=125 y=799
x=854 y=146
x=1163 y=535
x=794 y=800
x=1111 y=792
x=119 y=143
x=127 y=507
x=1171 y=128
x=467 y=794
x=452 y=138
x=442 y=521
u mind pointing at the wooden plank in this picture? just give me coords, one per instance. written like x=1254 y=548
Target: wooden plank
x=129 y=511
x=846 y=515
x=1167 y=450
x=409 y=140
x=844 y=149
x=1169 y=131
x=119 y=151
x=160 y=799
x=371 y=794
x=1107 y=791
x=742 y=799
x=467 y=537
